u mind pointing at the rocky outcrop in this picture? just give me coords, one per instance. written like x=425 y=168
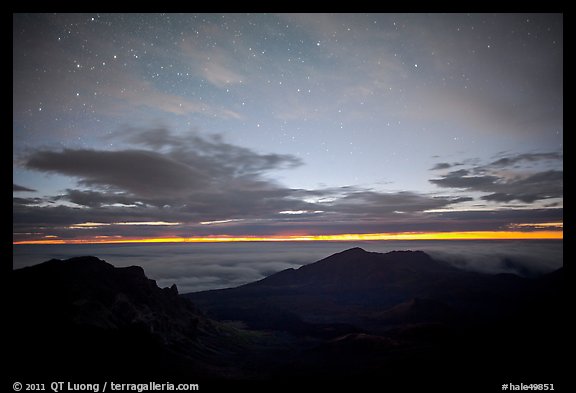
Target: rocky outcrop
x=93 y=314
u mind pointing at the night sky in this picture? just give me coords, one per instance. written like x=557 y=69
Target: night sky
x=131 y=126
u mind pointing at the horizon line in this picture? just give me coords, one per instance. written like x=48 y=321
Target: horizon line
x=462 y=235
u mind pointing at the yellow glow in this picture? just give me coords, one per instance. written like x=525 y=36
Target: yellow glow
x=472 y=235
x=540 y=225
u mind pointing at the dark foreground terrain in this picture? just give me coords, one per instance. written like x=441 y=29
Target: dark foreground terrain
x=355 y=321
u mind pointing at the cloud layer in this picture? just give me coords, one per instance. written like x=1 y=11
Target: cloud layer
x=196 y=267
x=507 y=179
x=207 y=186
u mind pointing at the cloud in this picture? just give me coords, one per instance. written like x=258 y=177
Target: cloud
x=501 y=219
x=143 y=94
x=375 y=203
x=58 y=220
x=211 y=266
x=172 y=178
x=525 y=177
x=460 y=92
x=542 y=185
x=30 y=201
x=462 y=179
x=179 y=168
x=525 y=259
x=527 y=157
x=17 y=188
x=447 y=165
x=220 y=75
x=106 y=80
x=92 y=199
x=441 y=165
x=193 y=178
x=214 y=64
x=194 y=147
x=140 y=172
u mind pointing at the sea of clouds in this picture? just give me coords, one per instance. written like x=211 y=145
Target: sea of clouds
x=202 y=266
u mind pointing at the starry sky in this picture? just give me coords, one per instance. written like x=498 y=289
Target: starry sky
x=145 y=126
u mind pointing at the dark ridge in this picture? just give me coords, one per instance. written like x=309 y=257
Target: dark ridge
x=353 y=250
x=95 y=316
x=401 y=314
x=354 y=269
x=348 y=320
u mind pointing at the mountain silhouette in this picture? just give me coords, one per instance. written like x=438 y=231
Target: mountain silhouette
x=364 y=289
x=403 y=319
x=399 y=314
x=95 y=317
x=357 y=269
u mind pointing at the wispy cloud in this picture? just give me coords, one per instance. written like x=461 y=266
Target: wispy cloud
x=17 y=188
x=524 y=177
x=106 y=84
x=135 y=94
x=216 y=65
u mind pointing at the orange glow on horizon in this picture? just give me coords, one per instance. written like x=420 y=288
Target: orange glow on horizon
x=471 y=235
